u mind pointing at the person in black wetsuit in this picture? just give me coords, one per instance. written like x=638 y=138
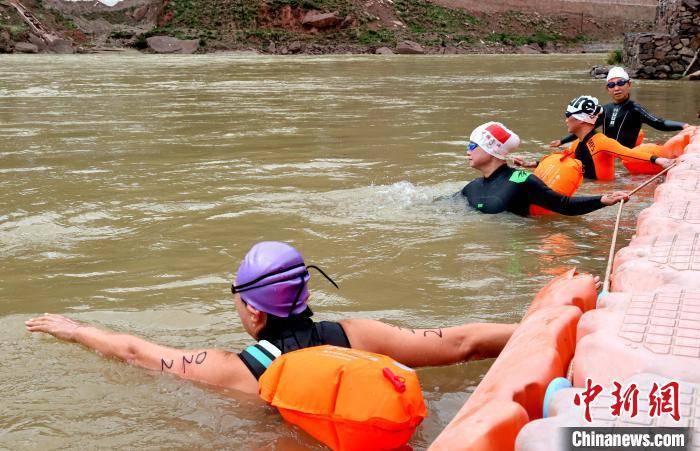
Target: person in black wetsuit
x=623 y=118
x=503 y=188
x=270 y=294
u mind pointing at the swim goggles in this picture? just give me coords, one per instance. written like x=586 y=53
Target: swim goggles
x=612 y=84
x=568 y=114
x=471 y=146
x=251 y=285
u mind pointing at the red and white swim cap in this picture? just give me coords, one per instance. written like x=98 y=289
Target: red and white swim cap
x=495 y=139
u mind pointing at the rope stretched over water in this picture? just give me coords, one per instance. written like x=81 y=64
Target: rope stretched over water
x=611 y=254
x=652 y=179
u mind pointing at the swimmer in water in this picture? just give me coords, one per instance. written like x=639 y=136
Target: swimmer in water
x=623 y=118
x=503 y=188
x=270 y=293
x=596 y=151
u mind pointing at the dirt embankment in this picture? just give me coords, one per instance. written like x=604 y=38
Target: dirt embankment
x=336 y=26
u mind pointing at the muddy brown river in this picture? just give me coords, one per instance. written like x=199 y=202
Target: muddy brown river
x=132 y=185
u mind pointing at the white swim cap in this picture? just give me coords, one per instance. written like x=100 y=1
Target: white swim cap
x=495 y=139
x=584 y=108
x=617 y=72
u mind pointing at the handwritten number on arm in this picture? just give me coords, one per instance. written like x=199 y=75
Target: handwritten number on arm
x=403 y=328
x=437 y=332
x=198 y=360
x=184 y=359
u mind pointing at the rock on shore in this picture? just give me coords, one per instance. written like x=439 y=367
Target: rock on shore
x=168 y=44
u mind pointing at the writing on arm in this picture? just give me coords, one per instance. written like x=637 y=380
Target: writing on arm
x=425 y=332
x=193 y=360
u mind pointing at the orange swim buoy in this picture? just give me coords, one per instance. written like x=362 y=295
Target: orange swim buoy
x=512 y=392
x=561 y=172
x=673 y=148
x=640 y=138
x=346 y=398
x=646 y=167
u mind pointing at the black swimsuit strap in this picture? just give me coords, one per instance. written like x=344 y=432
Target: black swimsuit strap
x=584 y=155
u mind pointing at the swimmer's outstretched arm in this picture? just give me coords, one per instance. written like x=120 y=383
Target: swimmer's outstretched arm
x=429 y=347
x=210 y=366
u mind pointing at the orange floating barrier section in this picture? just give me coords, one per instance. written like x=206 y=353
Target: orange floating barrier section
x=657 y=332
x=346 y=398
x=672 y=216
x=512 y=391
x=652 y=261
x=645 y=332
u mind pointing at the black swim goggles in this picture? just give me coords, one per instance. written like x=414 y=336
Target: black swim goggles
x=252 y=284
x=612 y=84
x=595 y=112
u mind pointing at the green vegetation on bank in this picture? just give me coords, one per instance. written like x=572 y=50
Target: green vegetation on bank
x=615 y=57
x=421 y=16
x=425 y=22
x=13 y=24
x=432 y=24
x=62 y=20
x=339 y=6
x=540 y=38
x=382 y=36
x=16 y=31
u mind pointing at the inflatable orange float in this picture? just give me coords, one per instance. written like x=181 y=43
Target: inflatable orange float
x=561 y=172
x=346 y=398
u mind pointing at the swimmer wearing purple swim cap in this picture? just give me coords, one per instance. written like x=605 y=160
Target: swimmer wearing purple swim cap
x=274 y=278
x=271 y=296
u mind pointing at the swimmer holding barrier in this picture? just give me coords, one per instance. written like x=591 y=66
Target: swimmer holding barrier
x=503 y=188
x=596 y=151
x=270 y=293
x=622 y=119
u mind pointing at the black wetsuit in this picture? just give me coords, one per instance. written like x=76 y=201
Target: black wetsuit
x=509 y=189
x=623 y=121
x=290 y=334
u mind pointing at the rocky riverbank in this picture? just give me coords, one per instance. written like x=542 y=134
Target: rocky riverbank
x=301 y=26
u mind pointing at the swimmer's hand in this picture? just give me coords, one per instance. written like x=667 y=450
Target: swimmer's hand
x=613 y=198
x=57 y=325
x=213 y=367
x=664 y=162
x=598 y=283
x=523 y=163
x=555 y=143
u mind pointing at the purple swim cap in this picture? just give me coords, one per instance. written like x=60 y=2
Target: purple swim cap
x=272 y=277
